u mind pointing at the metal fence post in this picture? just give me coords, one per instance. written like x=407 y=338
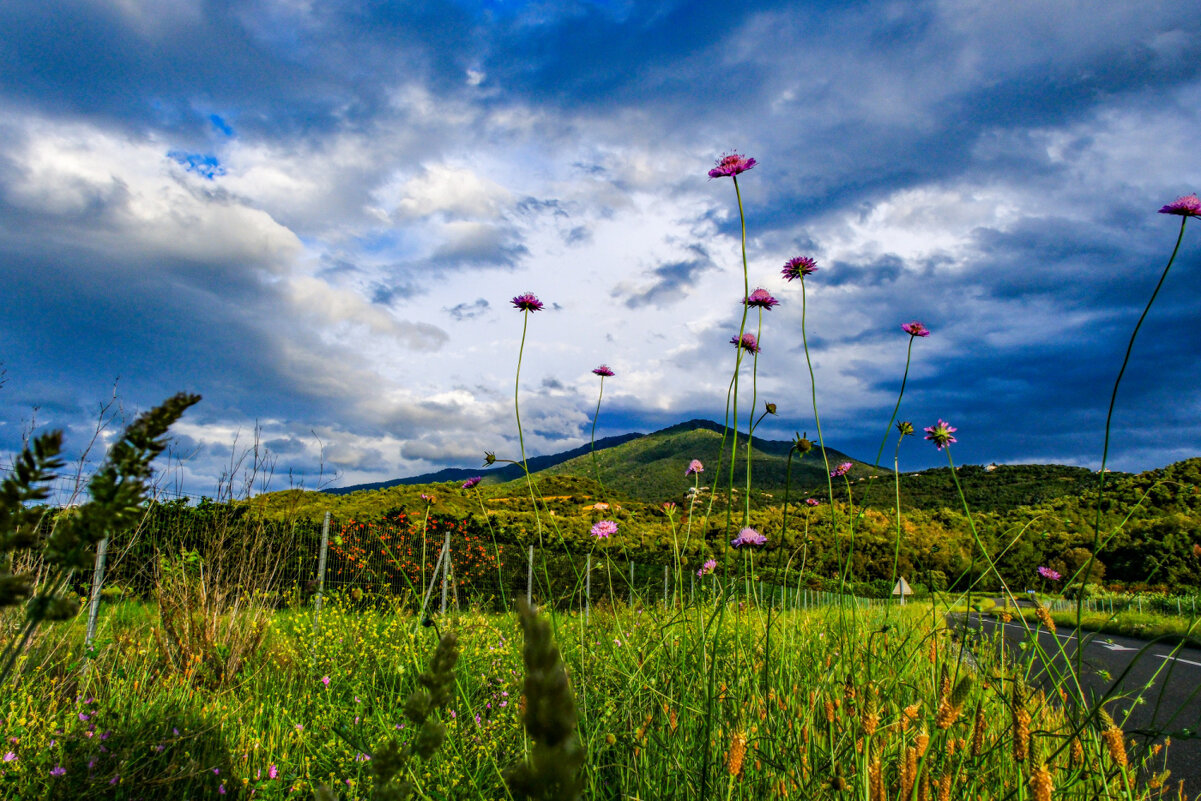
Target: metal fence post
x=94 y=605
x=529 y=580
x=445 y=571
x=321 y=571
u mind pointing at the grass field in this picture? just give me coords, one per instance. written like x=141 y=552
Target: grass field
x=683 y=703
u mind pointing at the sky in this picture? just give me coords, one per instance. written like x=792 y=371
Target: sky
x=315 y=215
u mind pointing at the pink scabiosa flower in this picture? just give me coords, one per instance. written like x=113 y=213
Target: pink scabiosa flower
x=812 y=501
x=731 y=164
x=707 y=568
x=325 y=680
x=798 y=267
x=10 y=756
x=604 y=529
x=940 y=434
x=746 y=342
x=272 y=772
x=915 y=329
x=1185 y=206
x=748 y=536
x=694 y=467
x=760 y=298
x=1049 y=574
x=527 y=302
x=473 y=481
x=604 y=371
x=841 y=470
x=427 y=498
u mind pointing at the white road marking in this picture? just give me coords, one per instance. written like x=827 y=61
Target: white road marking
x=1178 y=659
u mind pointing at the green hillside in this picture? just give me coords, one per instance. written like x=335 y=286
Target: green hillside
x=651 y=468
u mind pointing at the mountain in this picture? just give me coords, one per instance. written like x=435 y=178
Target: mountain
x=496 y=475
x=651 y=468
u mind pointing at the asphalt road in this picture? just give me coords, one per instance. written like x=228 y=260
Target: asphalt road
x=1168 y=679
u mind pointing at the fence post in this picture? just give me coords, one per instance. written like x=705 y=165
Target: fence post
x=445 y=571
x=529 y=580
x=588 y=588
x=321 y=571
x=94 y=605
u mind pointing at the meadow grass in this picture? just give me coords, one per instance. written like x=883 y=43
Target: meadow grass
x=891 y=706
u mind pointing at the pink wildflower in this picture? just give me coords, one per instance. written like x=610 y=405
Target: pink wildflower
x=940 y=434
x=798 y=267
x=746 y=342
x=604 y=529
x=1185 y=206
x=731 y=164
x=527 y=302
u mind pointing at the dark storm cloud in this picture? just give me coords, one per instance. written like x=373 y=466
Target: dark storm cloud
x=467 y=311
x=669 y=282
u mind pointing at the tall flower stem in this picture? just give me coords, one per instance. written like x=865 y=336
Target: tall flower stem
x=821 y=440
x=1113 y=399
x=595 y=417
x=525 y=321
x=892 y=419
x=750 y=418
x=746 y=291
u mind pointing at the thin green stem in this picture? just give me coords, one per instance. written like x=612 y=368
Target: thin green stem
x=595 y=417
x=1113 y=399
x=525 y=320
x=750 y=421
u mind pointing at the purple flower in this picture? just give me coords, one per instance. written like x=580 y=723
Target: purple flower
x=841 y=470
x=746 y=342
x=812 y=501
x=427 y=498
x=604 y=371
x=604 y=529
x=1185 y=206
x=694 y=466
x=1049 y=574
x=798 y=267
x=10 y=757
x=58 y=770
x=527 y=302
x=761 y=298
x=272 y=771
x=325 y=680
x=915 y=329
x=471 y=482
x=706 y=568
x=730 y=164
x=940 y=434
x=748 y=536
